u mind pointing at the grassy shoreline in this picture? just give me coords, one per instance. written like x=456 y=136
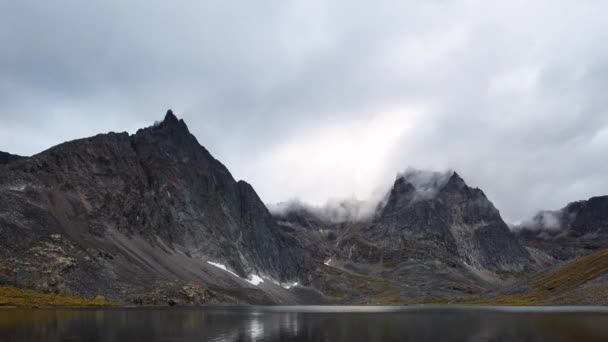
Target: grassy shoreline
x=11 y=297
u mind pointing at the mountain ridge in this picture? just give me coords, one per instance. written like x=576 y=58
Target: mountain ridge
x=153 y=218
x=124 y=196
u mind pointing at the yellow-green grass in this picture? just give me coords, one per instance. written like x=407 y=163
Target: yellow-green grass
x=14 y=297
x=560 y=286
x=574 y=273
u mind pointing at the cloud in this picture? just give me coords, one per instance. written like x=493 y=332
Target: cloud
x=317 y=99
x=551 y=221
x=338 y=210
x=426 y=183
x=332 y=212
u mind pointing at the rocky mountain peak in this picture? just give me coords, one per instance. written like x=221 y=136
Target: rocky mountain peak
x=414 y=186
x=429 y=209
x=401 y=194
x=455 y=182
x=145 y=199
x=402 y=186
x=173 y=124
x=171 y=136
x=170 y=117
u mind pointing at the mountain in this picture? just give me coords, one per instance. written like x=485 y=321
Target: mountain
x=126 y=216
x=154 y=218
x=443 y=218
x=431 y=238
x=576 y=230
x=6 y=158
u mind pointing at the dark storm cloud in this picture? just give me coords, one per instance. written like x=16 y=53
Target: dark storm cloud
x=316 y=99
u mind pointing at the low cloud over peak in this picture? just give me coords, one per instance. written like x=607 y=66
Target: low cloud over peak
x=426 y=185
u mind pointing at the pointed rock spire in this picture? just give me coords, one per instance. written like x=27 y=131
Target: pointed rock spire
x=175 y=125
x=170 y=118
x=455 y=182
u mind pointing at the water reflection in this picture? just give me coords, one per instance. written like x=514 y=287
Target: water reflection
x=304 y=324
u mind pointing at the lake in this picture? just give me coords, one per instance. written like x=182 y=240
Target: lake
x=307 y=323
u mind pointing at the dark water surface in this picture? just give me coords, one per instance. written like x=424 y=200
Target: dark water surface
x=306 y=323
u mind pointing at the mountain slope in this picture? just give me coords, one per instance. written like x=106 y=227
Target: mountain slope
x=580 y=281
x=124 y=215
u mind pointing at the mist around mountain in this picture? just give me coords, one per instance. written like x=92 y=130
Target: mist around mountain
x=153 y=218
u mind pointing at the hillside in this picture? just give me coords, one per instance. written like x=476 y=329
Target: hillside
x=581 y=281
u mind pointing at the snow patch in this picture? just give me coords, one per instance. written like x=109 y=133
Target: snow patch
x=327 y=261
x=255 y=279
x=288 y=286
x=223 y=267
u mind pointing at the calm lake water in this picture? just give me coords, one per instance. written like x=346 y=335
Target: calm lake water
x=306 y=323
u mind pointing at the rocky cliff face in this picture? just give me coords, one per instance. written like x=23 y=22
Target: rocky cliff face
x=587 y=217
x=577 y=229
x=443 y=217
x=116 y=213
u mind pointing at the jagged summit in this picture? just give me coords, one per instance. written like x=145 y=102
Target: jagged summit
x=414 y=185
x=425 y=210
x=429 y=182
x=173 y=124
x=455 y=182
x=170 y=117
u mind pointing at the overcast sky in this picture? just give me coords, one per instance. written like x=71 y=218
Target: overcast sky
x=320 y=99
